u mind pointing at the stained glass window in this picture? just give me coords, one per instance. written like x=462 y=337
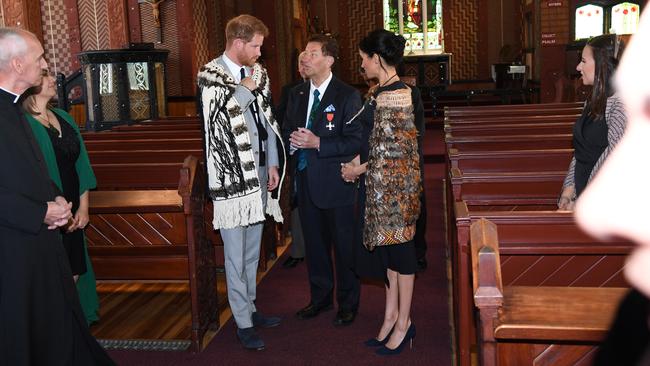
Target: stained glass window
x=589 y=21
x=419 y=21
x=625 y=18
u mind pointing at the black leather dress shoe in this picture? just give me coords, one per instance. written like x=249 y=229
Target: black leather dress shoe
x=312 y=310
x=344 y=317
x=292 y=262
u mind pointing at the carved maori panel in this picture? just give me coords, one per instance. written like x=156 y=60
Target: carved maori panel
x=117 y=24
x=56 y=37
x=461 y=37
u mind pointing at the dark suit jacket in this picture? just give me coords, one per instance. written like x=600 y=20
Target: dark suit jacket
x=38 y=301
x=338 y=144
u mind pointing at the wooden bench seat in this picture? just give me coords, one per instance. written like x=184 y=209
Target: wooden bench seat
x=158 y=235
x=534 y=325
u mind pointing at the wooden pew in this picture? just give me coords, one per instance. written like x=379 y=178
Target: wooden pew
x=146 y=144
x=158 y=234
x=512 y=119
x=512 y=142
x=519 y=109
x=510 y=160
x=141 y=156
x=534 y=325
x=162 y=127
x=141 y=134
x=507 y=188
x=538 y=248
x=502 y=129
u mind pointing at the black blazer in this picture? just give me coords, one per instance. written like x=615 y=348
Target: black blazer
x=339 y=143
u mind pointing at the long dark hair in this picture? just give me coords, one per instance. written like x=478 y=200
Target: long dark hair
x=607 y=50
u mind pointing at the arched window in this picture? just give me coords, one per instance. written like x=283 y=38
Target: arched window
x=419 y=21
x=625 y=18
x=589 y=21
x=613 y=17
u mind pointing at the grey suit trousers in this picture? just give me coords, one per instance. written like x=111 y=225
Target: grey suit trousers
x=241 y=247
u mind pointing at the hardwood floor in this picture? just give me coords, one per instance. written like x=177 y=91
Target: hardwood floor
x=154 y=310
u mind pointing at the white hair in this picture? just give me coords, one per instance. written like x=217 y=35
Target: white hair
x=12 y=44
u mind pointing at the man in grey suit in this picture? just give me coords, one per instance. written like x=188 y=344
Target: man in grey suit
x=242 y=164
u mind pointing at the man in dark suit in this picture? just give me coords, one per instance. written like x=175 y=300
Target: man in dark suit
x=297 y=253
x=40 y=316
x=320 y=140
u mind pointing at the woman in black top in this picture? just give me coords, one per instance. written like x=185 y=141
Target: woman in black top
x=603 y=119
x=389 y=165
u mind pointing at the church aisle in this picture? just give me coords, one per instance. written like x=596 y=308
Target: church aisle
x=317 y=342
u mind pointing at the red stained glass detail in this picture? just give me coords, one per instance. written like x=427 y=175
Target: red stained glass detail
x=633 y=9
x=625 y=11
x=589 y=14
x=580 y=12
x=597 y=11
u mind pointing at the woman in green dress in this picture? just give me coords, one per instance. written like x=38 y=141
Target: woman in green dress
x=69 y=167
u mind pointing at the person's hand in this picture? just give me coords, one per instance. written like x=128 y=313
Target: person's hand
x=81 y=219
x=350 y=170
x=565 y=204
x=58 y=213
x=303 y=138
x=274 y=178
x=248 y=83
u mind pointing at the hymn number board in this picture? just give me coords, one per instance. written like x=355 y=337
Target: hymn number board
x=556 y=23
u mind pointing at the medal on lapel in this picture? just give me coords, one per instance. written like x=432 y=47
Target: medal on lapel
x=329 y=114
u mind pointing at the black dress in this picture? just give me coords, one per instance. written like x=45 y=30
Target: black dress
x=399 y=257
x=67 y=148
x=589 y=142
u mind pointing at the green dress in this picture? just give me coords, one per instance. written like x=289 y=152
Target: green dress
x=86 y=283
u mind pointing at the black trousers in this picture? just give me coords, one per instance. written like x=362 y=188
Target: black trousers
x=322 y=229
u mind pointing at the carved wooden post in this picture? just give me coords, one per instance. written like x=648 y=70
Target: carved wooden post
x=118 y=24
x=25 y=14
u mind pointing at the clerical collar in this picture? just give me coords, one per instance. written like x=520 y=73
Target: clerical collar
x=233 y=67
x=16 y=96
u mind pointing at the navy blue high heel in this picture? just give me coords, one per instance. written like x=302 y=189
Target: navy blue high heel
x=408 y=338
x=373 y=342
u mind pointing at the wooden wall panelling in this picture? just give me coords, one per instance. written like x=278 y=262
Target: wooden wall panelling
x=118 y=25
x=93 y=24
x=74 y=34
x=58 y=39
x=461 y=37
x=24 y=14
x=135 y=27
x=188 y=66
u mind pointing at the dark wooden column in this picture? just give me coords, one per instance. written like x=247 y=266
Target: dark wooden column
x=265 y=11
x=25 y=14
x=135 y=27
x=188 y=67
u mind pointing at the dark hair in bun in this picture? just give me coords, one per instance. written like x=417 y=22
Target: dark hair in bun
x=386 y=44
